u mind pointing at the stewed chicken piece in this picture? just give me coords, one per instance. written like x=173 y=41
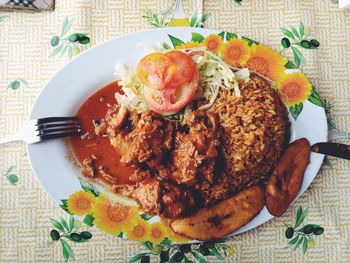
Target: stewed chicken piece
x=140 y=139
x=195 y=150
x=158 y=197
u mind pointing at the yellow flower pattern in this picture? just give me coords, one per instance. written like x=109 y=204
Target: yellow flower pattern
x=266 y=61
x=213 y=43
x=140 y=231
x=158 y=232
x=113 y=217
x=294 y=88
x=235 y=52
x=80 y=203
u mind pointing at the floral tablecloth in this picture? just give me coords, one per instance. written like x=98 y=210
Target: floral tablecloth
x=32 y=50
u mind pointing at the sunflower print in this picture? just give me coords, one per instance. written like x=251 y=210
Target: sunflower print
x=235 y=52
x=113 y=217
x=158 y=232
x=294 y=88
x=266 y=61
x=213 y=43
x=140 y=231
x=80 y=203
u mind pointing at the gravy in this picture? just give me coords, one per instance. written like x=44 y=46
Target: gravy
x=88 y=145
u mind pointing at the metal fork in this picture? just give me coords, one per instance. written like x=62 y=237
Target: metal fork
x=43 y=129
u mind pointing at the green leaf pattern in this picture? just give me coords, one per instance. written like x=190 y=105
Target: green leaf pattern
x=66 y=25
x=182 y=252
x=238 y=2
x=154 y=19
x=299 y=38
x=290 y=65
x=296 y=110
x=230 y=35
x=64 y=205
x=64 y=231
x=222 y=35
x=175 y=41
x=89 y=187
x=315 y=98
x=302 y=236
x=68 y=46
x=327 y=162
x=16 y=84
x=197 y=37
x=198 y=20
x=57 y=224
x=287 y=33
x=11 y=175
x=146 y=217
x=301 y=29
x=89 y=220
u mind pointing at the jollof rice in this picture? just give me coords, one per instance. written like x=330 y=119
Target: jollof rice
x=255 y=131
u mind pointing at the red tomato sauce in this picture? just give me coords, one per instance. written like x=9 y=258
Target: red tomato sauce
x=95 y=108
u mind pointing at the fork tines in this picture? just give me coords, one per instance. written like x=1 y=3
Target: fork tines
x=57 y=127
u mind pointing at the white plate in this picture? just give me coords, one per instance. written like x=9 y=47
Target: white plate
x=85 y=74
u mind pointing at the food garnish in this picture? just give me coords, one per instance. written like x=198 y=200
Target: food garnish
x=171 y=100
x=185 y=68
x=156 y=70
x=223 y=218
x=168 y=82
x=285 y=182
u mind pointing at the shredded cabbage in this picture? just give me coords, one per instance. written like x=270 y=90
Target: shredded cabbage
x=243 y=74
x=214 y=75
x=132 y=87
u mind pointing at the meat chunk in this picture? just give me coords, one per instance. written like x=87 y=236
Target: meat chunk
x=176 y=201
x=195 y=152
x=115 y=118
x=173 y=164
x=157 y=197
x=140 y=139
x=147 y=194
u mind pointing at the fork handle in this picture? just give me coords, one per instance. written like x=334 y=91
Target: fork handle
x=11 y=138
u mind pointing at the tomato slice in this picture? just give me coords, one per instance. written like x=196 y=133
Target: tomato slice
x=184 y=68
x=171 y=100
x=156 y=70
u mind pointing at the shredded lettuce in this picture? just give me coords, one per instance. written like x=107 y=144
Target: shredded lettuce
x=132 y=87
x=243 y=74
x=214 y=75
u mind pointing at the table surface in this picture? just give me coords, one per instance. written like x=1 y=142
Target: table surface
x=26 y=64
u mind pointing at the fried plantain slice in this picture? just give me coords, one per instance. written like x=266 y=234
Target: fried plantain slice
x=285 y=182
x=222 y=218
